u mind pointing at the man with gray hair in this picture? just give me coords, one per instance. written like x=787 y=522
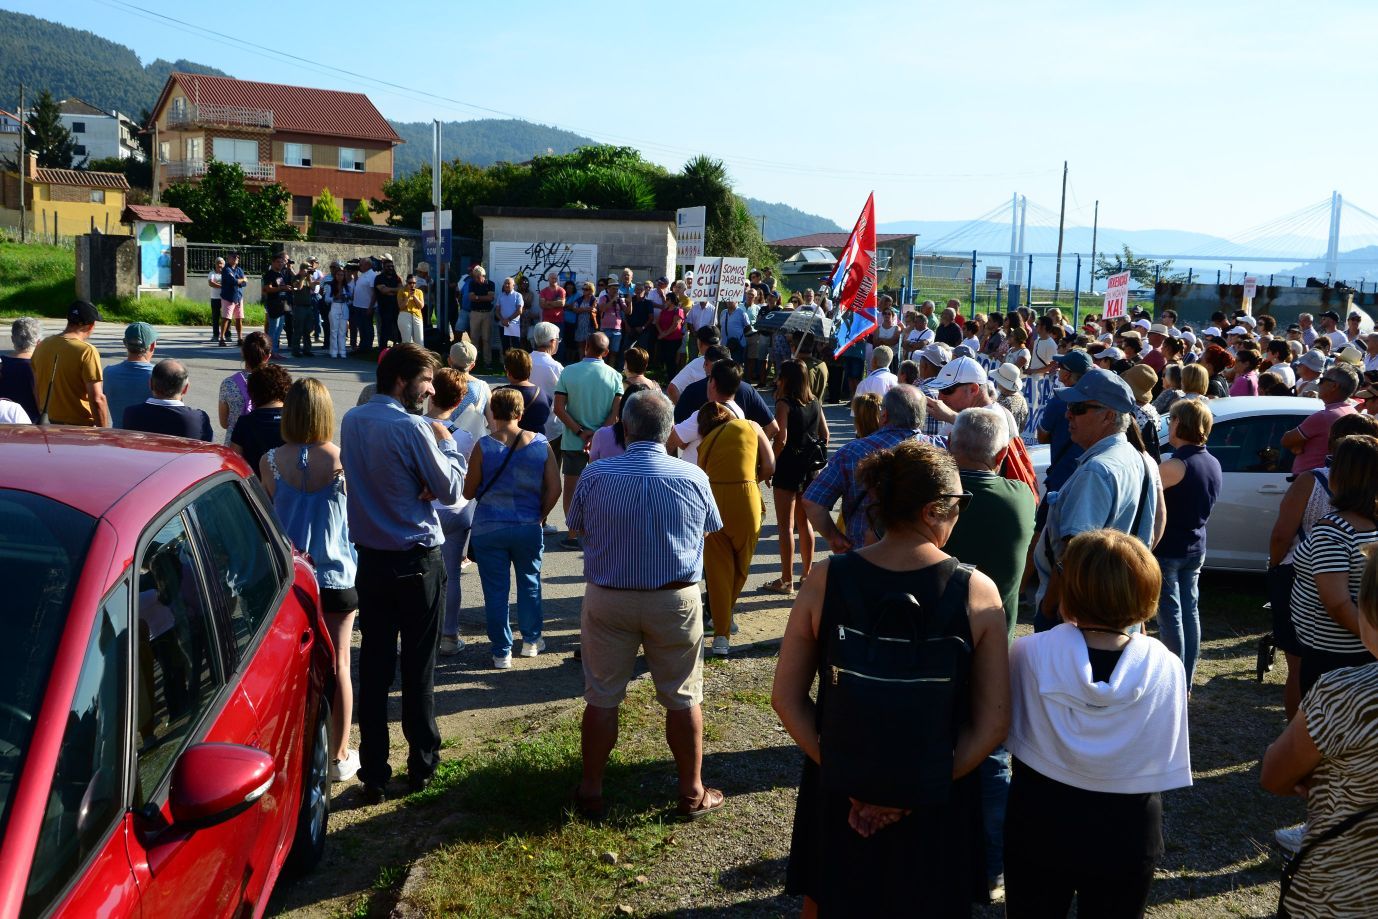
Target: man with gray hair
x=901 y=418
x=16 y=370
x=880 y=380
x=545 y=369
x=1114 y=485
x=993 y=533
x=165 y=412
x=949 y=330
x=644 y=599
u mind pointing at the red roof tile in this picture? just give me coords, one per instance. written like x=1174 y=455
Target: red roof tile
x=82 y=178
x=830 y=240
x=296 y=109
x=153 y=214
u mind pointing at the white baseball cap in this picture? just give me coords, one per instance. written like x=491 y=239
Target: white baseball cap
x=1143 y=324
x=936 y=354
x=958 y=371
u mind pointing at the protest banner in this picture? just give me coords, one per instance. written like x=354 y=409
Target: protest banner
x=1116 y=295
x=732 y=280
x=705 y=286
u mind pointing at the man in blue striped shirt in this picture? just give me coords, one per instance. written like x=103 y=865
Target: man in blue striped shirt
x=661 y=507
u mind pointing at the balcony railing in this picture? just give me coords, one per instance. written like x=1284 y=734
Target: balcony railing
x=191 y=169
x=229 y=115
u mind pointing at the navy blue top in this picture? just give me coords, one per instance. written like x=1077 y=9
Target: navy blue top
x=161 y=418
x=17 y=384
x=537 y=407
x=1062 y=453
x=229 y=284
x=753 y=407
x=1189 y=503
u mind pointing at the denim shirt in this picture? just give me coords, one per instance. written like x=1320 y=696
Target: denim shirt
x=317 y=523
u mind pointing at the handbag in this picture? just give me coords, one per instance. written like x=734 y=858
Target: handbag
x=889 y=711
x=813 y=451
x=502 y=467
x=1289 y=871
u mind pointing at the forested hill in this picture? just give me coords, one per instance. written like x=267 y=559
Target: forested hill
x=71 y=62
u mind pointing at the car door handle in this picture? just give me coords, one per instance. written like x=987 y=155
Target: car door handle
x=1271 y=489
x=306 y=637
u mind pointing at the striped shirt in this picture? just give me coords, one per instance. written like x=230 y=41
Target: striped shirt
x=1333 y=546
x=1336 y=879
x=643 y=516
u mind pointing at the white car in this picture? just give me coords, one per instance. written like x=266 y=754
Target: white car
x=1247 y=440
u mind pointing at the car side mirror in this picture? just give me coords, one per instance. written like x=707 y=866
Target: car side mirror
x=214 y=782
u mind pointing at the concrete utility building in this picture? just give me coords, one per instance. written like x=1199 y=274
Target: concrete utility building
x=575 y=243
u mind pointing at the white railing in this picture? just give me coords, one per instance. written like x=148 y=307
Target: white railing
x=206 y=113
x=189 y=169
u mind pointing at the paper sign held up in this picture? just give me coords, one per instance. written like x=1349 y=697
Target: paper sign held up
x=1116 y=295
x=705 y=286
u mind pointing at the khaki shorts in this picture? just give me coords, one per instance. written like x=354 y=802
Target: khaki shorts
x=667 y=623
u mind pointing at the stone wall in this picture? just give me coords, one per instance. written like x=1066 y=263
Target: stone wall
x=400 y=250
x=647 y=246
x=106 y=266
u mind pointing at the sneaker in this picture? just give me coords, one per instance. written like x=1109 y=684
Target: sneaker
x=569 y=542
x=995 y=889
x=550 y=529
x=223 y=342
x=1289 y=838
x=722 y=646
x=532 y=648
x=342 y=770
x=502 y=661
x=451 y=646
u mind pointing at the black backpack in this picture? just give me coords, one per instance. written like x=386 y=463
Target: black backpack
x=890 y=710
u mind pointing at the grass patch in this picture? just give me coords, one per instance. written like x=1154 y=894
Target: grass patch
x=514 y=850
x=756 y=698
x=39 y=280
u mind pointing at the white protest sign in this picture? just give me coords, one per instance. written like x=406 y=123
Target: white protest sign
x=1250 y=287
x=705 y=285
x=732 y=280
x=689 y=229
x=1116 y=295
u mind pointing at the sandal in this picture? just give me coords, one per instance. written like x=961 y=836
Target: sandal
x=711 y=800
x=777 y=586
x=591 y=809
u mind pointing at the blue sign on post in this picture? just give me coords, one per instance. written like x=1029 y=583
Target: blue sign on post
x=428 y=236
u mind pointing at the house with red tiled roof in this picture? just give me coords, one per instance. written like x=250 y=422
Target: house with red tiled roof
x=304 y=139
x=62 y=202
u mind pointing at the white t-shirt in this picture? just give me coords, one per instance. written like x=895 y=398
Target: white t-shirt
x=1285 y=373
x=879 y=382
x=691 y=373
x=1044 y=350
x=973 y=343
x=363 y=289
x=1013 y=357
x=213 y=280
x=13 y=413
x=545 y=371
x=1338 y=340
x=702 y=316
x=1370 y=363
x=688 y=432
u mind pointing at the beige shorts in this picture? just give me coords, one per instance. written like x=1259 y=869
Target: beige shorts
x=231 y=309
x=667 y=623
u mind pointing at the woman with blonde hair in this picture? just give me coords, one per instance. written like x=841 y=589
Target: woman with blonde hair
x=865 y=415
x=801 y=450
x=1098 y=732
x=306 y=481
x=1196 y=379
x=736 y=455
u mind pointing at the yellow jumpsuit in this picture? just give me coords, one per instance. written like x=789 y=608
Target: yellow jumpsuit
x=728 y=456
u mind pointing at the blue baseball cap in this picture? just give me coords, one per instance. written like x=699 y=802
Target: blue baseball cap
x=1074 y=361
x=1100 y=386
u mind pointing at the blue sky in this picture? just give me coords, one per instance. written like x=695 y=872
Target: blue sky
x=1205 y=116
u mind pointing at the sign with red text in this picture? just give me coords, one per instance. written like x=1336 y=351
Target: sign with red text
x=1250 y=287
x=1116 y=295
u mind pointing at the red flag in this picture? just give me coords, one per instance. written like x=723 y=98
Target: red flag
x=854 y=280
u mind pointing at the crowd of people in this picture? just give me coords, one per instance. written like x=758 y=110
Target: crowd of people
x=941 y=754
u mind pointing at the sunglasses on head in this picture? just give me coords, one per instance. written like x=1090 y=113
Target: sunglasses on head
x=1081 y=408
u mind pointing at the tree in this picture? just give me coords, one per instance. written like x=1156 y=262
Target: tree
x=326 y=209
x=47 y=137
x=361 y=213
x=1142 y=271
x=224 y=210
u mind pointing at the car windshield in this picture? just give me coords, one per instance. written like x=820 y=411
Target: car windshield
x=42 y=545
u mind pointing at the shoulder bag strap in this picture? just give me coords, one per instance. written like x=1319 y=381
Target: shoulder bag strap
x=502 y=467
x=1289 y=871
x=1143 y=499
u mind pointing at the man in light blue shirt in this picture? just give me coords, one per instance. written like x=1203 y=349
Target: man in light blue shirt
x=126 y=383
x=397 y=463
x=1114 y=485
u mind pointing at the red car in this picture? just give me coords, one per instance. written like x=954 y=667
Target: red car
x=165 y=676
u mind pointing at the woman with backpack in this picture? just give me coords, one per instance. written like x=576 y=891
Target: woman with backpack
x=801 y=450
x=909 y=650
x=1098 y=731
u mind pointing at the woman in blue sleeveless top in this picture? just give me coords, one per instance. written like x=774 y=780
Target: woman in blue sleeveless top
x=1191 y=483
x=514 y=479
x=306 y=481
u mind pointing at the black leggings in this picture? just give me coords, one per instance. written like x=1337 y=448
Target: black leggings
x=1316 y=664
x=1039 y=892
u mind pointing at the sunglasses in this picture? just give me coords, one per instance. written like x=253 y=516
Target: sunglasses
x=962 y=500
x=1081 y=408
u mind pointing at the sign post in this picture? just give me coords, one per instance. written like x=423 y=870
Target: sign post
x=689 y=230
x=1116 y=295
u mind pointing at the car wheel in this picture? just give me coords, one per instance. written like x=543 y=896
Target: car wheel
x=313 y=814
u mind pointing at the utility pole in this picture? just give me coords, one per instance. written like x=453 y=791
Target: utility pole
x=1061 y=222
x=441 y=267
x=763 y=226
x=23 y=165
x=1095 y=225
x=1014 y=236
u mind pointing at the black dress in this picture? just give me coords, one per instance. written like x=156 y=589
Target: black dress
x=929 y=863
x=791 y=468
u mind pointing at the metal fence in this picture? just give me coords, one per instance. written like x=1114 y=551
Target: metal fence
x=201 y=257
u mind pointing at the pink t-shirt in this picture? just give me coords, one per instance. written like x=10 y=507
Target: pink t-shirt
x=1245 y=384
x=1316 y=429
